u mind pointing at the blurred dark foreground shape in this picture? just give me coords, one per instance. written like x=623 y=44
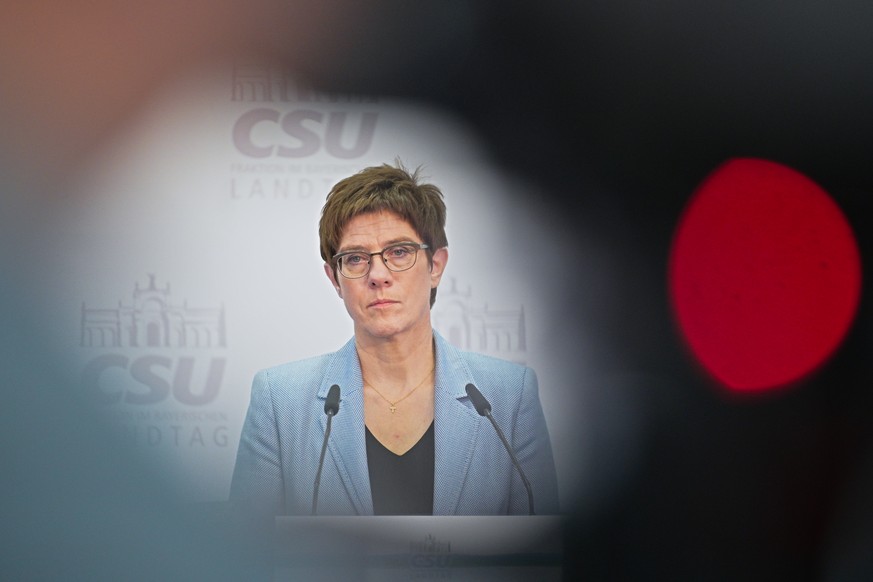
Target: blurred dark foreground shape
x=615 y=111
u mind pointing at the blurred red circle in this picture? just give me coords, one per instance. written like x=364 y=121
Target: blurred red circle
x=764 y=275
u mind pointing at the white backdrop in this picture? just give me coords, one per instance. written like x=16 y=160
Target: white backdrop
x=191 y=258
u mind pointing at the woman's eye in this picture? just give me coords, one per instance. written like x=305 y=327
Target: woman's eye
x=354 y=259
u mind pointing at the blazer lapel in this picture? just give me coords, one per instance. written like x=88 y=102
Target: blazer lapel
x=347 y=445
x=456 y=428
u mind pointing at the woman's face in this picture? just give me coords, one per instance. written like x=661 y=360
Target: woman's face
x=386 y=304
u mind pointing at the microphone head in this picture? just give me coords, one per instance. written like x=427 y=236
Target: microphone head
x=331 y=405
x=480 y=403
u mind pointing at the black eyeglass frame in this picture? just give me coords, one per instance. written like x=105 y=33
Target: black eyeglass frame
x=418 y=247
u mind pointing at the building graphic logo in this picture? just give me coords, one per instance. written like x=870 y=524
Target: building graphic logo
x=260 y=83
x=430 y=558
x=472 y=326
x=257 y=82
x=158 y=365
x=151 y=320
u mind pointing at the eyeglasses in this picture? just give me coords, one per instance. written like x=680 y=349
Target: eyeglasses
x=397 y=257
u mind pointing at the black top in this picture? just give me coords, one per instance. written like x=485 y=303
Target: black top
x=402 y=484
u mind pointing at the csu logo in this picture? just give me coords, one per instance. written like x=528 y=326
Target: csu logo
x=430 y=560
x=151 y=323
x=156 y=378
x=431 y=556
x=268 y=131
x=302 y=132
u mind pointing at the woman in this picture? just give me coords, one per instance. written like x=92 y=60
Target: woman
x=407 y=439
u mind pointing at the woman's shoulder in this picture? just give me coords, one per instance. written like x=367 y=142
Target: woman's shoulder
x=293 y=379
x=482 y=365
x=304 y=367
x=492 y=364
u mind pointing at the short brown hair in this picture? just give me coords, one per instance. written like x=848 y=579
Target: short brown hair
x=384 y=188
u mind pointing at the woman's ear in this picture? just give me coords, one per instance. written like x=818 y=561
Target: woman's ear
x=437 y=265
x=331 y=274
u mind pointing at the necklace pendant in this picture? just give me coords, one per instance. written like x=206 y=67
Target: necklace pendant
x=393 y=408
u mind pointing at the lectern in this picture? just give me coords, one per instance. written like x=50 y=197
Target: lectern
x=503 y=548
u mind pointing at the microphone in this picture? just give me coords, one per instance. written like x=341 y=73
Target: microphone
x=331 y=403
x=331 y=408
x=483 y=407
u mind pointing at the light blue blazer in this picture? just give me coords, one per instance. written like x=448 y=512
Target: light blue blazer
x=473 y=475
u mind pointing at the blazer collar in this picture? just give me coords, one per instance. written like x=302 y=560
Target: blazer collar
x=347 y=443
x=456 y=426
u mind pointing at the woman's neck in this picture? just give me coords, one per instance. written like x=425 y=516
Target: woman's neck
x=395 y=364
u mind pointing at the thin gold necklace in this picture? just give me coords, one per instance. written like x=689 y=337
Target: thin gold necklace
x=393 y=405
